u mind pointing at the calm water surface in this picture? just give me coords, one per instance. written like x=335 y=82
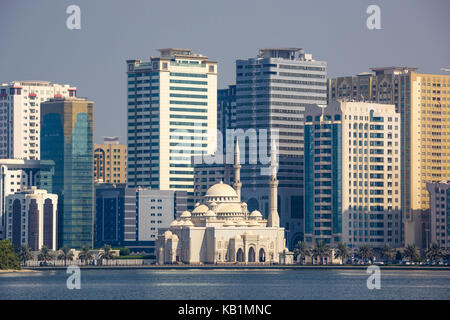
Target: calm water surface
x=226 y=284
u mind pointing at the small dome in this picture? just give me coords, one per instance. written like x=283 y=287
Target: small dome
x=210 y=213
x=197 y=204
x=256 y=214
x=201 y=209
x=221 y=190
x=185 y=214
x=188 y=223
x=174 y=223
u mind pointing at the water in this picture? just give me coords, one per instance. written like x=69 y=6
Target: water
x=226 y=284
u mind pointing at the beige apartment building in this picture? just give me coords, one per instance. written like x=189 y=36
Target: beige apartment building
x=423 y=101
x=352 y=174
x=110 y=161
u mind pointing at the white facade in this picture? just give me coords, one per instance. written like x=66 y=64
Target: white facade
x=222 y=230
x=20 y=175
x=156 y=210
x=32 y=219
x=352 y=174
x=20 y=105
x=172 y=115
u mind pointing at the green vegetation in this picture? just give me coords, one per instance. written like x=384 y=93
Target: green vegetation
x=24 y=254
x=342 y=251
x=411 y=252
x=435 y=252
x=8 y=258
x=365 y=252
x=85 y=255
x=65 y=254
x=106 y=254
x=388 y=252
x=301 y=251
x=124 y=252
x=321 y=250
x=45 y=254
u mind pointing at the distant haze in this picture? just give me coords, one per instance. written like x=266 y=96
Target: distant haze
x=36 y=44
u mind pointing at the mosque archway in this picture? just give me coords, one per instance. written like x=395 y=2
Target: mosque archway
x=251 y=255
x=262 y=255
x=240 y=255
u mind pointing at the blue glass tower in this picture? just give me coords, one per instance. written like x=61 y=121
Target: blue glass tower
x=66 y=138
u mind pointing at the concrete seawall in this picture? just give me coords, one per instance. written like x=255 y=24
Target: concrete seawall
x=244 y=267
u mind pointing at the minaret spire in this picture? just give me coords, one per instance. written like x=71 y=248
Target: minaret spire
x=273 y=219
x=237 y=171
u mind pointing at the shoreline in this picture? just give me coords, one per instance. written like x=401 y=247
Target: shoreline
x=22 y=270
x=234 y=267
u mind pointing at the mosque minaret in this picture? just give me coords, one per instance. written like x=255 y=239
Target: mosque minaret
x=222 y=230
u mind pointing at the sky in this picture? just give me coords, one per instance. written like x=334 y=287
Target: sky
x=37 y=45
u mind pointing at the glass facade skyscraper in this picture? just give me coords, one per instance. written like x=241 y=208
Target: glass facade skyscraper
x=66 y=138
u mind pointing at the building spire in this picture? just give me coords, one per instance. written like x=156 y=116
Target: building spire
x=237 y=171
x=273 y=219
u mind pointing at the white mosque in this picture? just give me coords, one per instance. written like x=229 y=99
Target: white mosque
x=222 y=230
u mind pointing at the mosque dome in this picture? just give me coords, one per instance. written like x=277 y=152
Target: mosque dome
x=185 y=214
x=210 y=213
x=174 y=223
x=201 y=209
x=188 y=223
x=256 y=214
x=221 y=190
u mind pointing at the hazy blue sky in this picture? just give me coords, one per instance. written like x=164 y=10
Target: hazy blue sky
x=36 y=45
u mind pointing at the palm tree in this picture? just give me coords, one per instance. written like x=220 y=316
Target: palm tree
x=302 y=251
x=65 y=254
x=365 y=252
x=321 y=250
x=106 y=254
x=411 y=252
x=435 y=252
x=388 y=252
x=85 y=254
x=45 y=254
x=25 y=254
x=342 y=251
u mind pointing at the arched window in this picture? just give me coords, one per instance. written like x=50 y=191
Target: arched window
x=240 y=255
x=262 y=255
x=251 y=255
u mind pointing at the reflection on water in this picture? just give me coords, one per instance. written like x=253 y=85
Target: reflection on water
x=233 y=284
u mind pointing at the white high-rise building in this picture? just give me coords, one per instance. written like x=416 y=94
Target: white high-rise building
x=352 y=174
x=20 y=105
x=172 y=116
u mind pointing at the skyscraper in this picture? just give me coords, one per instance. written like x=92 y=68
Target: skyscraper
x=272 y=92
x=423 y=101
x=110 y=161
x=66 y=138
x=20 y=113
x=172 y=106
x=352 y=174
x=226 y=110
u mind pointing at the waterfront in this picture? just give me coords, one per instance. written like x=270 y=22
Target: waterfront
x=233 y=284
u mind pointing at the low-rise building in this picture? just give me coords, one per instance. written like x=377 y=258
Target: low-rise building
x=32 y=219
